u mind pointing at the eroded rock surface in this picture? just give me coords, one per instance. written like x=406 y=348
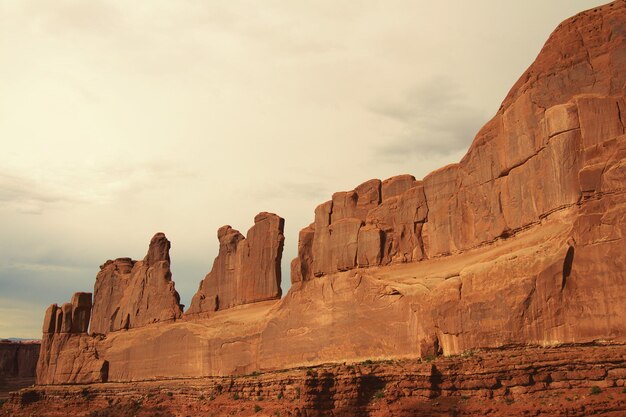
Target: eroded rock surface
x=535 y=156
x=68 y=354
x=520 y=243
x=18 y=361
x=568 y=381
x=246 y=270
x=130 y=294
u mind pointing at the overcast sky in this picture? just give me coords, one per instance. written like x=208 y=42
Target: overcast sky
x=119 y=119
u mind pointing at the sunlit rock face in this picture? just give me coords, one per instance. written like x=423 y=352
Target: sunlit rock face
x=521 y=242
x=130 y=294
x=246 y=270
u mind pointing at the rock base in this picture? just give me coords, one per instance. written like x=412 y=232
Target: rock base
x=574 y=380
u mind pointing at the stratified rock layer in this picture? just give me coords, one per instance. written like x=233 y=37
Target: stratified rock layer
x=18 y=361
x=131 y=294
x=567 y=381
x=246 y=270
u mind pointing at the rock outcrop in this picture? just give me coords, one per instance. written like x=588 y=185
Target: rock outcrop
x=568 y=381
x=18 y=361
x=377 y=223
x=68 y=354
x=246 y=270
x=131 y=294
x=537 y=155
x=520 y=243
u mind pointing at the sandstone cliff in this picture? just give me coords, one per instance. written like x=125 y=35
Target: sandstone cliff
x=68 y=353
x=246 y=270
x=554 y=142
x=131 y=293
x=520 y=243
x=18 y=361
x=572 y=381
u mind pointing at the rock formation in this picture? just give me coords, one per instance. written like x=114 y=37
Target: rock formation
x=18 y=361
x=68 y=353
x=520 y=381
x=520 y=243
x=131 y=294
x=246 y=270
x=377 y=223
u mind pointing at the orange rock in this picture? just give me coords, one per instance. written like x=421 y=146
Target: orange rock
x=397 y=185
x=519 y=243
x=246 y=270
x=131 y=294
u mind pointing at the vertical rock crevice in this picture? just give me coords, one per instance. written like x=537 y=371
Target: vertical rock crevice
x=246 y=269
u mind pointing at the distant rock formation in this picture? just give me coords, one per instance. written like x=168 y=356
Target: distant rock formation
x=131 y=294
x=18 y=362
x=18 y=359
x=246 y=270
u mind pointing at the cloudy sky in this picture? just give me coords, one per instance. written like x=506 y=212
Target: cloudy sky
x=119 y=119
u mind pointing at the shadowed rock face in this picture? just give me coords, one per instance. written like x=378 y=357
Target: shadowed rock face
x=18 y=359
x=246 y=270
x=131 y=294
x=519 y=243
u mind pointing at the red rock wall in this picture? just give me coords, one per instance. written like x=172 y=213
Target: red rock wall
x=529 y=160
x=18 y=359
x=246 y=270
x=68 y=353
x=130 y=294
x=505 y=382
x=519 y=243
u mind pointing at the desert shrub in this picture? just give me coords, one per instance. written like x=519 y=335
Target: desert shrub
x=367 y=362
x=379 y=394
x=595 y=390
x=468 y=353
x=257 y=408
x=235 y=396
x=170 y=394
x=280 y=396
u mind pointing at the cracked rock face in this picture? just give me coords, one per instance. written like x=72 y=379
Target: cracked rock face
x=130 y=294
x=531 y=159
x=246 y=270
